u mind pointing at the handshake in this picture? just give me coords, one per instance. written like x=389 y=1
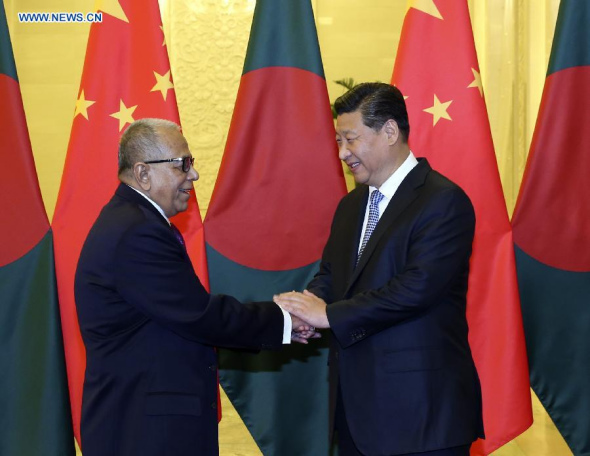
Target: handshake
x=308 y=313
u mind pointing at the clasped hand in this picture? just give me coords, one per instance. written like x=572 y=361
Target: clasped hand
x=307 y=311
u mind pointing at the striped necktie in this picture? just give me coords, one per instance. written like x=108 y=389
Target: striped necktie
x=376 y=198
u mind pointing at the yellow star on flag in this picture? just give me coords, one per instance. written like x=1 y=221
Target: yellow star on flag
x=439 y=110
x=163 y=83
x=112 y=8
x=164 y=35
x=82 y=105
x=426 y=6
x=125 y=114
x=476 y=81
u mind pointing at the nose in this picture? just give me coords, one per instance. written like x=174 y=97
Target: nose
x=192 y=174
x=343 y=152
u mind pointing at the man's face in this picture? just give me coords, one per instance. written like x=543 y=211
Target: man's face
x=170 y=185
x=366 y=151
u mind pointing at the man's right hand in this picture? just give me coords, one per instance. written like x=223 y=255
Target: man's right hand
x=302 y=331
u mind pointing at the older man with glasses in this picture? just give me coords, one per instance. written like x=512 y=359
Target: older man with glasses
x=148 y=324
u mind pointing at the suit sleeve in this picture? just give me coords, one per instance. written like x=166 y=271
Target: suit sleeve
x=439 y=251
x=154 y=275
x=321 y=284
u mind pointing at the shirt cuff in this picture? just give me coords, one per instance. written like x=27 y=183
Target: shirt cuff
x=287 y=326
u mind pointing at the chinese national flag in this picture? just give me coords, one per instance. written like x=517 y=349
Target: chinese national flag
x=436 y=69
x=126 y=77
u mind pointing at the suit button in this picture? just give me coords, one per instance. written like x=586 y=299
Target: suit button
x=213 y=405
x=337 y=355
x=213 y=368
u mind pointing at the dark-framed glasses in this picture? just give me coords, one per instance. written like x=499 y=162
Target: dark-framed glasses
x=187 y=162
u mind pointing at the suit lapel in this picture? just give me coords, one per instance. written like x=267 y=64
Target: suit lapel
x=129 y=194
x=355 y=227
x=407 y=192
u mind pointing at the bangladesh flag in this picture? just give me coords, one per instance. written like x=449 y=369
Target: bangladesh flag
x=34 y=407
x=269 y=218
x=551 y=225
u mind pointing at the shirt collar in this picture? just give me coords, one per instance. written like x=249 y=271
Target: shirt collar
x=390 y=186
x=152 y=202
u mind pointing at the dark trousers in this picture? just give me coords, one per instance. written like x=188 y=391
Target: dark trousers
x=346 y=446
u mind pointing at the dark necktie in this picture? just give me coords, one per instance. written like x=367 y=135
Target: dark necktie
x=178 y=235
x=376 y=198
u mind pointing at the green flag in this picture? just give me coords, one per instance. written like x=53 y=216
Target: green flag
x=269 y=218
x=35 y=413
x=552 y=233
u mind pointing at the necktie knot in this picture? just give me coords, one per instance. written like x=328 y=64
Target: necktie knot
x=376 y=197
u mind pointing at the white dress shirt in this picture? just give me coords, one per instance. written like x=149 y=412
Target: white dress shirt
x=388 y=189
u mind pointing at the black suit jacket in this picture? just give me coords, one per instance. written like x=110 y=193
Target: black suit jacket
x=399 y=347
x=149 y=328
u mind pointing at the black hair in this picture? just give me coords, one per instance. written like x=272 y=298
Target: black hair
x=377 y=102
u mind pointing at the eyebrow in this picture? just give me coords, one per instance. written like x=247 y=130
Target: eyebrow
x=346 y=132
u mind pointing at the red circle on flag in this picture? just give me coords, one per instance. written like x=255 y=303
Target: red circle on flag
x=280 y=179
x=552 y=216
x=24 y=221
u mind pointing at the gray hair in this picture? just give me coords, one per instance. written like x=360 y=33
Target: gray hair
x=141 y=141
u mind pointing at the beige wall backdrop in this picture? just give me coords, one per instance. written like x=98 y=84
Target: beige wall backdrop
x=207 y=42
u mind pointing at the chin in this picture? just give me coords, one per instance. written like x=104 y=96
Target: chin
x=181 y=209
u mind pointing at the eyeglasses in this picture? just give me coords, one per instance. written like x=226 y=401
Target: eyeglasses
x=187 y=162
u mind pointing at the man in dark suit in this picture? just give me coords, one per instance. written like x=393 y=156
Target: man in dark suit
x=148 y=324
x=394 y=274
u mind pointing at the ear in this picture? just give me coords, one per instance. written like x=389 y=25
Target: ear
x=142 y=176
x=392 y=131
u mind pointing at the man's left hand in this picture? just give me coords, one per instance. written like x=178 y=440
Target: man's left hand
x=307 y=306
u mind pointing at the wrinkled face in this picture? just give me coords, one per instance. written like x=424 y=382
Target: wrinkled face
x=365 y=151
x=170 y=186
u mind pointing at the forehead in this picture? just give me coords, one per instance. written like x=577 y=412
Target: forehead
x=174 y=142
x=350 y=122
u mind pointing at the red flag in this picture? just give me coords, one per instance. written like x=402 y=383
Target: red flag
x=436 y=69
x=126 y=77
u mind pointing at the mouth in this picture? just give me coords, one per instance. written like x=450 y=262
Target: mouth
x=186 y=191
x=353 y=166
